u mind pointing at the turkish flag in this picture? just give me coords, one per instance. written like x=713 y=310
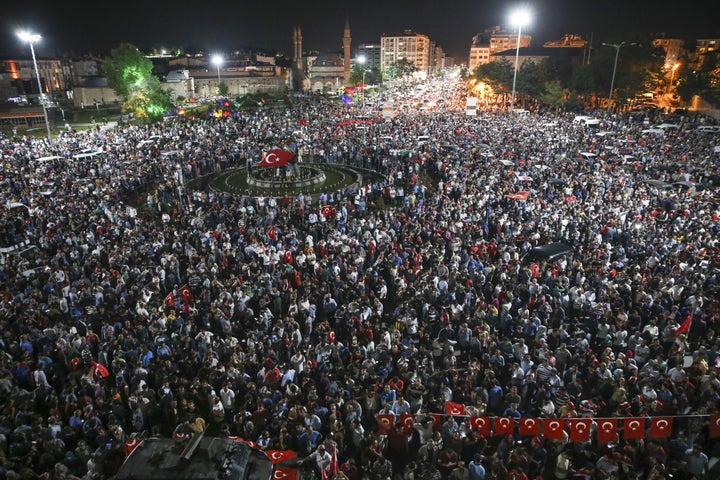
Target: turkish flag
x=529 y=426
x=453 y=408
x=408 y=421
x=519 y=195
x=131 y=445
x=283 y=472
x=186 y=293
x=481 y=424
x=385 y=422
x=634 y=428
x=607 y=430
x=686 y=324
x=328 y=211
x=275 y=157
x=279 y=456
x=504 y=425
x=169 y=301
x=553 y=428
x=580 y=430
x=714 y=426
x=661 y=427
x=437 y=421
x=100 y=370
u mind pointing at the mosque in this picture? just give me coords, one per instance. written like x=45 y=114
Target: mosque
x=324 y=72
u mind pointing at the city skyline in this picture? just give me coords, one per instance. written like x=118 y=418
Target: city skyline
x=223 y=27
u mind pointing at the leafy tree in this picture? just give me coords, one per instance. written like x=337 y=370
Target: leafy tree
x=554 y=95
x=223 y=89
x=498 y=75
x=531 y=80
x=356 y=74
x=150 y=103
x=126 y=69
x=406 y=67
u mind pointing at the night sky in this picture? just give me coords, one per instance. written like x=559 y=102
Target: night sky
x=221 y=26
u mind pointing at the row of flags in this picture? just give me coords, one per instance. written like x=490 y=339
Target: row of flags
x=578 y=429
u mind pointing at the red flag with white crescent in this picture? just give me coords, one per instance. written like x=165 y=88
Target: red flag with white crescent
x=504 y=425
x=279 y=456
x=714 y=426
x=529 y=426
x=408 y=421
x=385 y=422
x=328 y=211
x=481 y=424
x=634 y=428
x=275 y=157
x=437 y=421
x=553 y=428
x=580 y=430
x=131 y=445
x=283 y=472
x=186 y=293
x=661 y=427
x=607 y=430
x=454 y=408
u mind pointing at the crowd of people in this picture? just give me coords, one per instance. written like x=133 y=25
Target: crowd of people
x=134 y=304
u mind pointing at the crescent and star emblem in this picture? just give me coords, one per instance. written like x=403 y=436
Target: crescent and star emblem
x=276 y=455
x=634 y=425
x=530 y=422
x=554 y=425
x=580 y=427
x=279 y=474
x=662 y=424
x=272 y=158
x=606 y=427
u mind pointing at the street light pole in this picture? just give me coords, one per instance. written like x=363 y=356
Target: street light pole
x=31 y=38
x=362 y=60
x=617 y=47
x=217 y=60
x=519 y=18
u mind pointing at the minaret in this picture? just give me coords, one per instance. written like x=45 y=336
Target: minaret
x=297 y=42
x=346 y=47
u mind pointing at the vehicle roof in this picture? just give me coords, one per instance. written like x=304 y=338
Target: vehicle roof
x=548 y=252
x=195 y=458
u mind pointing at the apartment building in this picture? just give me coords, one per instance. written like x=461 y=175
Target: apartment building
x=410 y=46
x=493 y=41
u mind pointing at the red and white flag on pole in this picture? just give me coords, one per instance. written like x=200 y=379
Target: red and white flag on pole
x=186 y=293
x=685 y=327
x=275 y=157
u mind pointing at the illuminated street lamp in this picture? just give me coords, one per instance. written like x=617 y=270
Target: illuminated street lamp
x=361 y=60
x=217 y=60
x=519 y=18
x=31 y=38
x=617 y=47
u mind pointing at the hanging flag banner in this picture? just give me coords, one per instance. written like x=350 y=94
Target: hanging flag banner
x=553 y=428
x=529 y=426
x=634 y=429
x=607 y=430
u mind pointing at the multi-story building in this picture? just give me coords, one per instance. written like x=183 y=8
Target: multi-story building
x=21 y=71
x=410 y=46
x=673 y=48
x=371 y=52
x=492 y=41
x=569 y=40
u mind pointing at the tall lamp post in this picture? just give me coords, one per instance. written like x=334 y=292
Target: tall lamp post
x=519 y=18
x=362 y=59
x=617 y=47
x=31 y=38
x=217 y=60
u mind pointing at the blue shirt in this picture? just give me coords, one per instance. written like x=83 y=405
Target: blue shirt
x=476 y=470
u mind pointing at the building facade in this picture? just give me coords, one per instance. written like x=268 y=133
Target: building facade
x=491 y=42
x=410 y=46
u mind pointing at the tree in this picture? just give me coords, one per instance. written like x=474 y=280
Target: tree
x=223 y=89
x=126 y=68
x=129 y=74
x=554 y=95
x=498 y=75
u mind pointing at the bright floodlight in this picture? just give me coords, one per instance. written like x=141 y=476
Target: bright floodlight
x=520 y=17
x=29 y=37
x=217 y=60
x=362 y=59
